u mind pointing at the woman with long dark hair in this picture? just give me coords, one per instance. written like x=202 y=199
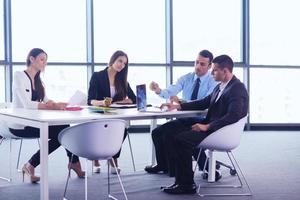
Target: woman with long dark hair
x=29 y=93
x=111 y=82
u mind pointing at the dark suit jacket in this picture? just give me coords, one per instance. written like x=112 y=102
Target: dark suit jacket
x=231 y=106
x=100 y=88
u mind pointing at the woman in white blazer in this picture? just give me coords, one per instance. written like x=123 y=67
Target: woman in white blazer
x=29 y=93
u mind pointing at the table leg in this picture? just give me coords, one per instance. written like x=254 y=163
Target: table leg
x=153 y=125
x=211 y=167
x=44 y=133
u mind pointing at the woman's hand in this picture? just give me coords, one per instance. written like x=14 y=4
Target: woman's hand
x=51 y=105
x=59 y=106
x=125 y=101
x=98 y=103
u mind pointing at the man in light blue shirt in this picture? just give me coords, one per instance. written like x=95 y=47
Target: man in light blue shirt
x=192 y=89
x=186 y=83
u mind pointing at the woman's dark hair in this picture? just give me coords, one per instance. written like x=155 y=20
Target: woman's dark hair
x=121 y=84
x=38 y=84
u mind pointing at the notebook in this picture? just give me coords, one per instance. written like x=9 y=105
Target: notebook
x=141 y=100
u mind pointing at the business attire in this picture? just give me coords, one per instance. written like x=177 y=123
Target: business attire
x=226 y=105
x=186 y=84
x=191 y=91
x=100 y=88
x=24 y=96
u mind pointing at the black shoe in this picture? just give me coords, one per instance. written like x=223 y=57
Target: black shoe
x=168 y=187
x=155 y=169
x=218 y=175
x=181 y=189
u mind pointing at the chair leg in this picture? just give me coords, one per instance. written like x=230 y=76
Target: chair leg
x=236 y=166
x=108 y=178
x=20 y=150
x=85 y=179
x=110 y=196
x=198 y=156
x=68 y=178
x=130 y=147
x=2 y=139
x=19 y=154
x=234 y=163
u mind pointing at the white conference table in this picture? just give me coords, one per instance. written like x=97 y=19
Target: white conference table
x=42 y=119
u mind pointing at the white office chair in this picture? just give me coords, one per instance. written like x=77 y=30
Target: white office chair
x=7 y=135
x=224 y=140
x=95 y=140
x=130 y=148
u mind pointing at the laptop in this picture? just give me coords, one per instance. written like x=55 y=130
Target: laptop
x=141 y=100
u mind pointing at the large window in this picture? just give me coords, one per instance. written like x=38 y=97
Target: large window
x=134 y=26
x=273 y=98
x=61 y=82
x=144 y=75
x=58 y=27
x=2 y=84
x=1 y=31
x=274 y=32
x=214 y=25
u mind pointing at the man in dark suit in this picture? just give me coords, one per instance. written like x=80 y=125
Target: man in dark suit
x=226 y=105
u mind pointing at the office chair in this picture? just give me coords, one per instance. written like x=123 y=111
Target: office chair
x=7 y=135
x=225 y=140
x=95 y=140
x=130 y=148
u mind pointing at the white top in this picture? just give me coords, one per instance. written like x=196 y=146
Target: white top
x=112 y=91
x=222 y=86
x=22 y=93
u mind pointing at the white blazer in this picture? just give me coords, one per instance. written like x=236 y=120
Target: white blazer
x=21 y=89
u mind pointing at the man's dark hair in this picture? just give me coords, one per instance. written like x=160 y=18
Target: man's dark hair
x=206 y=54
x=223 y=61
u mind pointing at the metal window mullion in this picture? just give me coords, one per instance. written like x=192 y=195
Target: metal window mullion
x=90 y=38
x=169 y=41
x=246 y=49
x=7 y=50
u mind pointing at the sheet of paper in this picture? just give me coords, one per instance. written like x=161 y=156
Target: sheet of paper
x=78 y=98
x=114 y=105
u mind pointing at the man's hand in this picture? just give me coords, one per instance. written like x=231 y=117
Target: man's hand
x=155 y=87
x=170 y=106
x=174 y=99
x=200 y=127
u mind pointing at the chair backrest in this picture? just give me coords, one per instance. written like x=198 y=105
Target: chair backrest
x=4 y=131
x=99 y=139
x=226 y=138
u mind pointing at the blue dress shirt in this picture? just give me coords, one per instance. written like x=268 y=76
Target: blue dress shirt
x=186 y=84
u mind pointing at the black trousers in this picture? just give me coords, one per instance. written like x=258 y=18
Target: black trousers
x=181 y=150
x=162 y=136
x=53 y=142
x=124 y=137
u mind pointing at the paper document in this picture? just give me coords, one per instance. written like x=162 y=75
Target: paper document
x=78 y=98
x=114 y=105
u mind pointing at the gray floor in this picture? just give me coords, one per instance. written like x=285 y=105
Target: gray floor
x=269 y=160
